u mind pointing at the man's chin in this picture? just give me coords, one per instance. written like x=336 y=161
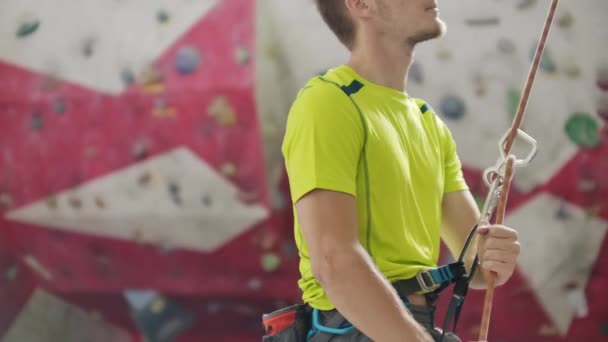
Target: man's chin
x=436 y=32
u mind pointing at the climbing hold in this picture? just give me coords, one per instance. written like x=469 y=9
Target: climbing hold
x=166 y=246
x=270 y=262
x=572 y=70
x=229 y=169
x=6 y=200
x=479 y=84
x=416 y=73
x=565 y=20
x=248 y=197
x=140 y=149
x=277 y=200
x=265 y=240
x=583 y=130
x=479 y=200
x=90 y=152
x=27 y=28
x=75 y=202
x=187 y=60
x=99 y=202
x=144 y=179
x=162 y=16
x=483 y=21
x=59 y=105
x=51 y=202
x=548 y=330
x=453 y=107
x=242 y=55
x=602 y=79
x=254 y=283
x=206 y=200
x=513 y=98
x=158 y=305
x=547 y=62
x=525 y=4
x=151 y=80
x=562 y=212
x=36 y=121
x=37 y=267
x=289 y=249
x=50 y=83
x=586 y=184
x=88 y=47
x=175 y=192
x=222 y=111
x=443 y=54
x=506 y=46
x=127 y=76
x=10 y=274
x=162 y=108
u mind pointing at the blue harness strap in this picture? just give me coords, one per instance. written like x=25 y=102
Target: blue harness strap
x=345 y=327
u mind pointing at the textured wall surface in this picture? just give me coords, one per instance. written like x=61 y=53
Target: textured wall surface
x=142 y=189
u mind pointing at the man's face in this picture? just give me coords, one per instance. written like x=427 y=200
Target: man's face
x=413 y=21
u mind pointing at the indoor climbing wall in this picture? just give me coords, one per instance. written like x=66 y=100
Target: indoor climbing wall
x=473 y=77
x=132 y=181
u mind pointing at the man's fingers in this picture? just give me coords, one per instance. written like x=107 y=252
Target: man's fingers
x=499 y=256
x=502 y=232
x=501 y=244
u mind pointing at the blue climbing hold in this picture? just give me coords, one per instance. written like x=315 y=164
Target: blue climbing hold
x=127 y=76
x=452 y=107
x=59 y=106
x=547 y=62
x=187 y=60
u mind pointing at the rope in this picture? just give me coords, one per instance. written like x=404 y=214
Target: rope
x=491 y=276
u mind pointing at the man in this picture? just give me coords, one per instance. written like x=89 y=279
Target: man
x=376 y=181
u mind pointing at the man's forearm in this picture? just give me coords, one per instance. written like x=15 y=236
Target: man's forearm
x=367 y=300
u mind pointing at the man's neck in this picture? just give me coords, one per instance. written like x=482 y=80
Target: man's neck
x=383 y=64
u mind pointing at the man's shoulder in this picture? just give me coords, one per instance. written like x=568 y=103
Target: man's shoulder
x=322 y=91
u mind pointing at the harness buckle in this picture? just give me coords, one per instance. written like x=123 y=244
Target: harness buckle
x=426 y=281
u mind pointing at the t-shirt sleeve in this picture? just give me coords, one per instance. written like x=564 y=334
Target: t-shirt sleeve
x=454 y=178
x=323 y=141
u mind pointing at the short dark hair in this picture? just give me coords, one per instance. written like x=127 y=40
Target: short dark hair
x=335 y=14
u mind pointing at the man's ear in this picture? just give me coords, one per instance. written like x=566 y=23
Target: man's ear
x=360 y=8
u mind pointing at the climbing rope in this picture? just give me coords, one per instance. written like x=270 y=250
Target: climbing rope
x=500 y=176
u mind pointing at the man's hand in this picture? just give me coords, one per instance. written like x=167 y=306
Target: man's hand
x=498 y=249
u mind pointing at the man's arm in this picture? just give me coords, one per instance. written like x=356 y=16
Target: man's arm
x=497 y=246
x=347 y=273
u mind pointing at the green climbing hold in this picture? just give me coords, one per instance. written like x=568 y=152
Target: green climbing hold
x=479 y=200
x=583 y=130
x=162 y=16
x=513 y=98
x=27 y=28
x=270 y=262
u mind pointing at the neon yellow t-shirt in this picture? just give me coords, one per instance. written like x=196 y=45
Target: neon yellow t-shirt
x=390 y=151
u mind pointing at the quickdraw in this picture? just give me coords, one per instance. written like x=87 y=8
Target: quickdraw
x=498 y=179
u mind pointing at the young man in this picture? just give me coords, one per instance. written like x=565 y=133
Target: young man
x=376 y=181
